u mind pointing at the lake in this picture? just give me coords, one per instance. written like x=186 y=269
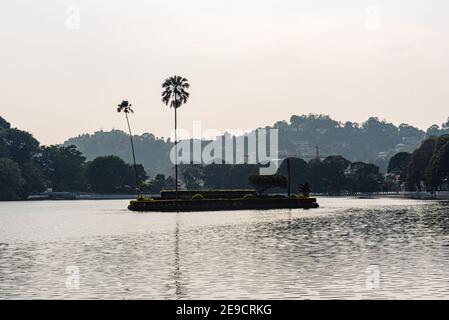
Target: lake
x=347 y=249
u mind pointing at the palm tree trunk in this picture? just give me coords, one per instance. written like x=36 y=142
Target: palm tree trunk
x=176 y=156
x=134 y=156
x=289 y=177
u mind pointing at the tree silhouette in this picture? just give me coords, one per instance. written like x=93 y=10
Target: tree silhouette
x=175 y=95
x=125 y=107
x=263 y=183
x=305 y=189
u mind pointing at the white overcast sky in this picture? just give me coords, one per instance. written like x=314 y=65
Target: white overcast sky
x=250 y=62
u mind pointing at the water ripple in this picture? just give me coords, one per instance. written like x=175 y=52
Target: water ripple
x=328 y=253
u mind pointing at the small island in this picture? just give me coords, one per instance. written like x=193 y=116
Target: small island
x=225 y=200
x=219 y=200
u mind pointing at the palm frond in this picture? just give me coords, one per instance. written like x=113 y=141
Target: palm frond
x=175 y=93
x=125 y=107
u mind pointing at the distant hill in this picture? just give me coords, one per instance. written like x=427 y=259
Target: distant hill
x=151 y=152
x=373 y=141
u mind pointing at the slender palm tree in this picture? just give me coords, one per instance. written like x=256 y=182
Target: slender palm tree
x=125 y=107
x=175 y=95
x=305 y=189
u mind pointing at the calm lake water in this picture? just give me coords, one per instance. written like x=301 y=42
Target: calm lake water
x=348 y=248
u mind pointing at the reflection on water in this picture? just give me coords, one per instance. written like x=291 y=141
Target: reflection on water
x=331 y=252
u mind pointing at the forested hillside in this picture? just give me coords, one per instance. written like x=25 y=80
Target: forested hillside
x=373 y=141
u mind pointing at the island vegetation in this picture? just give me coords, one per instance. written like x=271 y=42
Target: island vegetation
x=175 y=95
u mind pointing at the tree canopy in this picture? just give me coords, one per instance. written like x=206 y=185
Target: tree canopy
x=111 y=174
x=4 y=124
x=399 y=164
x=63 y=168
x=437 y=169
x=419 y=160
x=11 y=181
x=373 y=141
x=263 y=183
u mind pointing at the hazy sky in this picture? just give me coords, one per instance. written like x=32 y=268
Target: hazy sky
x=249 y=62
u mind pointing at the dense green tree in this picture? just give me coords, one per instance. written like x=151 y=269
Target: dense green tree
x=4 y=124
x=399 y=163
x=3 y=146
x=11 y=181
x=156 y=184
x=63 y=168
x=23 y=149
x=334 y=173
x=438 y=167
x=263 y=183
x=225 y=176
x=111 y=174
x=192 y=175
x=316 y=170
x=215 y=176
x=299 y=172
x=21 y=146
x=34 y=179
x=419 y=161
x=364 y=177
x=238 y=175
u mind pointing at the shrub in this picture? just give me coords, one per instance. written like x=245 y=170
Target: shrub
x=263 y=183
x=142 y=198
x=198 y=197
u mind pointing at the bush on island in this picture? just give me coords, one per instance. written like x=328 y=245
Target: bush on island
x=142 y=198
x=198 y=197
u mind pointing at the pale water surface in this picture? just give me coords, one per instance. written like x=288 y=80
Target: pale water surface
x=348 y=248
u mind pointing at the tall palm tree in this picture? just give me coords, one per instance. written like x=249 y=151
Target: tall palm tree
x=125 y=107
x=305 y=189
x=175 y=95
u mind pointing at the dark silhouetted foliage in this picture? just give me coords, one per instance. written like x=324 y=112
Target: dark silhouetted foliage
x=63 y=168
x=111 y=174
x=437 y=169
x=419 y=160
x=34 y=179
x=11 y=181
x=305 y=189
x=263 y=183
x=364 y=177
x=299 y=172
x=373 y=141
x=23 y=149
x=4 y=124
x=21 y=146
x=399 y=163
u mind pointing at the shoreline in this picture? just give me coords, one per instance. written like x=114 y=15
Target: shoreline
x=442 y=195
